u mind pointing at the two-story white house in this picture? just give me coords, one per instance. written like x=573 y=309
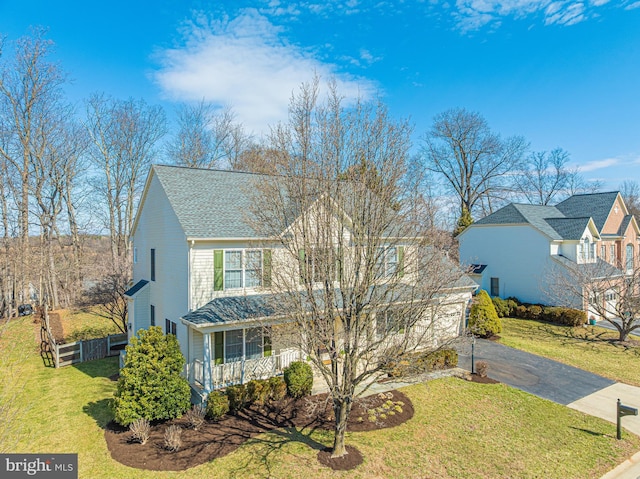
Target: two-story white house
x=514 y=251
x=201 y=272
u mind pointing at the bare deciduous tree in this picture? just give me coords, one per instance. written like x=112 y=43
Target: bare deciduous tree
x=630 y=191
x=546 y=178
x=475 y=162
x=206 y=137
x=603 y=290
x=108 y=295
x=356 y=274
x=30 y=89
x=123 y=135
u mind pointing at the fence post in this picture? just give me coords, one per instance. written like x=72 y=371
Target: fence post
x=109 y=345
x=81 y=343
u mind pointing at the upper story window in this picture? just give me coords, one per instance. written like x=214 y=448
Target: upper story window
x=603 y=251
x=612 y=254
x=629 y=258
x=153 y=264
x=240 y=268
x=391 y=261
x=318 y=263
x=586 y=251
x=135 y=255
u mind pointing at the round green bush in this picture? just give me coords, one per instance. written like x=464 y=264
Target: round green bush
x=277 y=388
x=237 y=396
x=483 y=319
x=299 y=379
x=258 y=391
x=502 y=308
x=217 y=405
x=150 y=384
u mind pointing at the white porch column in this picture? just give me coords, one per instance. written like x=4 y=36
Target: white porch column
x=244 y=354
x=206 y=373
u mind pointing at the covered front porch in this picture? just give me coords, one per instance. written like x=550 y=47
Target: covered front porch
x=233 y=340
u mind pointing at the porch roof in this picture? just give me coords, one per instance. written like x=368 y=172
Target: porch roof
x=230 y=309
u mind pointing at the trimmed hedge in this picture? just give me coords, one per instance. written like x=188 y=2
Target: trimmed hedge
x=277 y=388
x=299 y=379
x=552 y=314
x=258 y=391
x=237 y=396
x=217 y=405
x=423 y=362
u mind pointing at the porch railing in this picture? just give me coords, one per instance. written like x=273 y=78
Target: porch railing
x=243 y=371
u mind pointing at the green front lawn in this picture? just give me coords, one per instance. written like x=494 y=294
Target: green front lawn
x=460 y=430
x=590 y=348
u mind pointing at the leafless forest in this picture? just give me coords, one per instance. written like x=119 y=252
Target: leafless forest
x=71 y=174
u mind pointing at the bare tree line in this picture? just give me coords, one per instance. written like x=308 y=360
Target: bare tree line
x=71 y=170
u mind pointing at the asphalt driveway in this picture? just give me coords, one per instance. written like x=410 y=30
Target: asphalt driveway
x=534 y=374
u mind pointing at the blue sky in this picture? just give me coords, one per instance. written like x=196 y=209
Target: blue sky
x=560 y=73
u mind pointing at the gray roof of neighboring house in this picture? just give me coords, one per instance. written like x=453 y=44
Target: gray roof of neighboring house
x=535 y=215
x=209 y=203
x=569 y=228
x=624 y=224
x=596 y=205
x=599 y=269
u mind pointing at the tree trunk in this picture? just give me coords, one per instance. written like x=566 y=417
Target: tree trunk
x=341 y=410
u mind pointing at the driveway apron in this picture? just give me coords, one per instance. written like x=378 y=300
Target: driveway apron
x=534 y=374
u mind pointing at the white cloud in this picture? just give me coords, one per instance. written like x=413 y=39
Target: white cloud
x=598 y=164
x=474 y=14
x=632 y=6
x=245 y=62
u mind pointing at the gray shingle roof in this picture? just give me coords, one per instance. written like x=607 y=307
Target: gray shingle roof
x=597 y=270
x=596 y=205
x=569 y=228
x=535 y=215
x=567 y=220
x=209 y=203
x=624 y=224
x=232 y=309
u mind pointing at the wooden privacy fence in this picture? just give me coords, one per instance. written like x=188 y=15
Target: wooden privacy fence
x=80 y=351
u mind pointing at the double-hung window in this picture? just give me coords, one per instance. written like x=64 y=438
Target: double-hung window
x=238 y=268
x=253 y=268
x=233 y=269
x=390 y=261
x=233 y=345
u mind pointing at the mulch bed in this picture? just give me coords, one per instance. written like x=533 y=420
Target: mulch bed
x=476 y=378
x=349 y=461
x=217 y=439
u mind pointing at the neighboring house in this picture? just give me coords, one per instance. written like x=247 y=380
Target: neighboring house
x=513 y=251
x=202 y=273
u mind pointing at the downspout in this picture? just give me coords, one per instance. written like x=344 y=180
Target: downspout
x=190 y=293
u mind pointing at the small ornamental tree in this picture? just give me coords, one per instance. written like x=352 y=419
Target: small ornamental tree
x=483 y=319
x=150 y=384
